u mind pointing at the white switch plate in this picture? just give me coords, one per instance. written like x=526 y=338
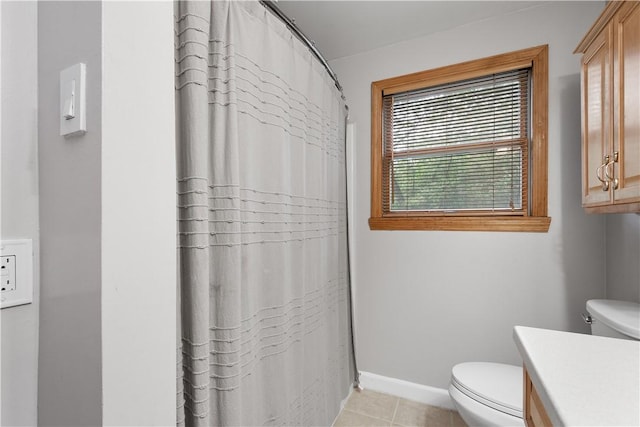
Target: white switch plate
x=17 y=275
x=73 y=118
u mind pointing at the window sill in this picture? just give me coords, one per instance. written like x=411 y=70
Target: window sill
x=463 y=223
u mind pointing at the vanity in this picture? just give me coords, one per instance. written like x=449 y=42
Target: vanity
x=575 y=379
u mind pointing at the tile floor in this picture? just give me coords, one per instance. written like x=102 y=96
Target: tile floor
x=369 y=408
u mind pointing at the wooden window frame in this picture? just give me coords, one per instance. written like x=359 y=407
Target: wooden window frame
x=536 y=219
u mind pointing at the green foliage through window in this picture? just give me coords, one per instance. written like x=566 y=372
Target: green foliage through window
x=459 y=146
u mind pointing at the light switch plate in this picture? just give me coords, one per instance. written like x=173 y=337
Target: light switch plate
x=16 y=272
x=73 y=118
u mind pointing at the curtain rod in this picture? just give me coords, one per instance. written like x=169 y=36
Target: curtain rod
x=269 y=4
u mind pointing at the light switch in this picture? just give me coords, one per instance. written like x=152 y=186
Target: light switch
x=73 y=103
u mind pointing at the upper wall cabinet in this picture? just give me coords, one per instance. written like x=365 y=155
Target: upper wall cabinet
x=611 y=110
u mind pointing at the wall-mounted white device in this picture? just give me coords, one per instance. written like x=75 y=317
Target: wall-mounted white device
x=16 y=272
x=73 y=103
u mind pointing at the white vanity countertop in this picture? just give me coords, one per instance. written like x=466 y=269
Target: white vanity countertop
x=583 y=380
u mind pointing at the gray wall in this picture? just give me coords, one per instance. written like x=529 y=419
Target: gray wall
x=446 y=297
x=623 y=257
x=69 y=389
x=108 y=223
x=19 y=203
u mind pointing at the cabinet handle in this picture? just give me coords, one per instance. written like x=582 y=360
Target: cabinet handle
x=605 y=183
x=606 y=170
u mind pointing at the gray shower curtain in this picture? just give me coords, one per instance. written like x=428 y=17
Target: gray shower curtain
x=264 y=332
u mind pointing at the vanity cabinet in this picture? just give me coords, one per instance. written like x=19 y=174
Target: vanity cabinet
x=534 y=413
x=578 y=379
x=610 y=86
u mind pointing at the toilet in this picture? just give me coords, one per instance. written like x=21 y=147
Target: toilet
x=487 y=394
x=490 y=394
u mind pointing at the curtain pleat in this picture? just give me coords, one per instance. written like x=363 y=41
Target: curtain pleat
x=262 y=223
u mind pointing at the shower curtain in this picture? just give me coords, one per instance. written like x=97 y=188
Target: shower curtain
x=263 y=292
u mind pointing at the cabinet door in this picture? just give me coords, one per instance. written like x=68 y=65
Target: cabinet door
x=535 y=414
x=596 y=118
x=626 y=94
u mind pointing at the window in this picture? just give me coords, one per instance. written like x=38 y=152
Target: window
x=463 y=147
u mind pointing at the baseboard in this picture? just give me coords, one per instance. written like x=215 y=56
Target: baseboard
x=343 y=403
x=407 y=390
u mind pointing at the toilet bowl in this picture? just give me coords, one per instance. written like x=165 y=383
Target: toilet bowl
x=490 y=394
x=487 y=394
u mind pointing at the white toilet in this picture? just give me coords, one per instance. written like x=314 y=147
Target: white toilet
x=490 y=394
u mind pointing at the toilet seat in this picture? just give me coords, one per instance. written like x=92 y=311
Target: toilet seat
x=477 y=414
x=495 y=385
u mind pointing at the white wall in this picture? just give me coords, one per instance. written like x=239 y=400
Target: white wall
x=623 y=257
x=138 y=215
x=448 y=297
x=19 y=153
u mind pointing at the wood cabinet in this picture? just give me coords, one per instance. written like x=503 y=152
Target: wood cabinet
x=534 y=413
x=611 y=110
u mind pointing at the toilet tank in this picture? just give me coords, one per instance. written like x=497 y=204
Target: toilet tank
x=612 y=318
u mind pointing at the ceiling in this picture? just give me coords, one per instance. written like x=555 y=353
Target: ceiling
x=347 y=27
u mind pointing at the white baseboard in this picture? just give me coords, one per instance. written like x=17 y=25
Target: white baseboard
x=407 y=390
x=343 y=403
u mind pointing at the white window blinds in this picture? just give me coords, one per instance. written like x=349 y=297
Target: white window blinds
x=458 y=147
